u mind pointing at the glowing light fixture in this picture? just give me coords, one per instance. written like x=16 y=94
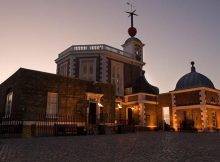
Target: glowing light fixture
x=100 y=105
x=119 y=106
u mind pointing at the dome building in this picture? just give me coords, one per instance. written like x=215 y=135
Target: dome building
x=194 y=103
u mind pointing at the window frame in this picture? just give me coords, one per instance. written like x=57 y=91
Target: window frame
x=7 y=108
x=63 y=69
x=50 y=110
x=90 y=61
x=118 y=78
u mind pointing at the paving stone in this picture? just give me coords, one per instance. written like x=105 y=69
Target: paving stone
x=140 y=146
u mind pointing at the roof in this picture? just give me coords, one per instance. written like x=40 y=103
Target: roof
x=133 y=39
x=194 y=80
x=142 y=85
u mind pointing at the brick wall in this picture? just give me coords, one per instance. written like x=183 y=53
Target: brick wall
x=212 y=98
x=187 y=98
x=30 y=90
x=151 y=115
x=131 y=74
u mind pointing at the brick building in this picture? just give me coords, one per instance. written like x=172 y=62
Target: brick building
x=33 y=96
x=136 y=99
x=94 y=82
x=99 y=84
x=194 y=104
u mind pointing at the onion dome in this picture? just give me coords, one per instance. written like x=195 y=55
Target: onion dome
x=194 y=80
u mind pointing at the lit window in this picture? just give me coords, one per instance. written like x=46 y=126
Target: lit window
x=52 y=104
x=87 y=69
x=8 y=104
x=117 y=78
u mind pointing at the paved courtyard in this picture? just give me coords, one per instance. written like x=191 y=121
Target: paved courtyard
x=142 y=146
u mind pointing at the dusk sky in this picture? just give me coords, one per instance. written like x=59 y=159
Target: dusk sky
x=175 y=32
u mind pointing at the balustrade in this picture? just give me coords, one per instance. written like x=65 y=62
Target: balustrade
x=98 y=47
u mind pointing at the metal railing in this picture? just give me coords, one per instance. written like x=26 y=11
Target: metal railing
x=10 y=126
x=52 y=125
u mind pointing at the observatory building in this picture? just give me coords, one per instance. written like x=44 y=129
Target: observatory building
x=99 y=86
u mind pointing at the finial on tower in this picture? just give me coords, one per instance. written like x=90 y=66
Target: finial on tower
x=132 y=31
x=193 y=69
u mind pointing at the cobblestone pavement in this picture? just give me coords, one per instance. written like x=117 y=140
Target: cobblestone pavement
x=142 y=146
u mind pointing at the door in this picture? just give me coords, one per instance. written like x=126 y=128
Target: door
x=130 y=116
x=92 y=113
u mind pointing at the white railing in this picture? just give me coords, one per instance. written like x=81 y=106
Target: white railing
x=98 y=47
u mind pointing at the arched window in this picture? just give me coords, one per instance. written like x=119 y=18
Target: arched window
x=8 y=103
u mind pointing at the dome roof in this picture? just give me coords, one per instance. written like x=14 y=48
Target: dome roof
x=133 y=39
x=193 y=80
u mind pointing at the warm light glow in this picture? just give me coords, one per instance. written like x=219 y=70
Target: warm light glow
x=152 y=126
x=166 y=114
x=100 y=105
x=119 y=106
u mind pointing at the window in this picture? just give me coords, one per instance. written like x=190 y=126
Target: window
x=8 y=104
x=214 y=121
x=63 y=69
x=117 y=77
x=138 y=52
x=147 y=120
x=52 y=104
x=87 y=69
x=128 y=91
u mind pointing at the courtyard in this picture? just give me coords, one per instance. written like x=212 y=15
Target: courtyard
x=139 y=146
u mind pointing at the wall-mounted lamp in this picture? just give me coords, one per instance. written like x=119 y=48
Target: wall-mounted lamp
x=100 y=105
x=119 y=106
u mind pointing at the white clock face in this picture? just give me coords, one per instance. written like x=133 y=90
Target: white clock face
x=138 y=53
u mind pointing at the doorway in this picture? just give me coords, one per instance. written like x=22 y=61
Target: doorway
x=166 y=115
x=130 y=116
x=92 y=113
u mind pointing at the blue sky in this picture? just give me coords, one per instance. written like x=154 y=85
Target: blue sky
x=175 y=32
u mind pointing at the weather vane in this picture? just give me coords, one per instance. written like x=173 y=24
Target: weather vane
x=131 y=31
x=130 y=5
x=131 y=13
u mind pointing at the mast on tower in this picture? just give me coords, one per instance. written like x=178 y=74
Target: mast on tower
x=132 y=31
